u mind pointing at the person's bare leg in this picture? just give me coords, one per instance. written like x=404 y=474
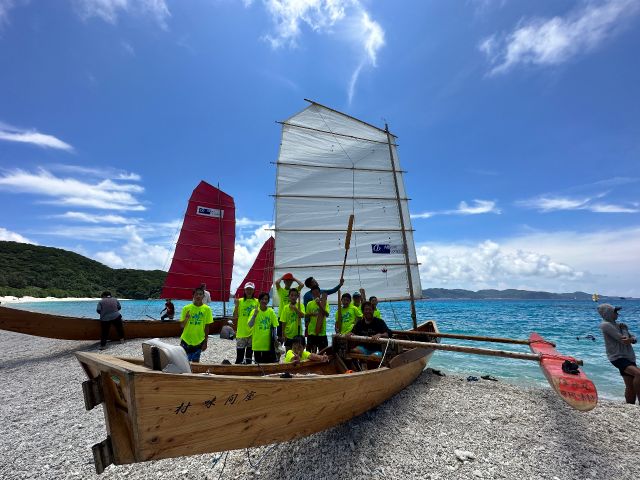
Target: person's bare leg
x=629 y=391
x=634 y=384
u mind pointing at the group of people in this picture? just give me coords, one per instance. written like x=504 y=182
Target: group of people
x=302 y=326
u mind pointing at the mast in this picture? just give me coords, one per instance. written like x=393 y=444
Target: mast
x=224 y=303
x=404 y=233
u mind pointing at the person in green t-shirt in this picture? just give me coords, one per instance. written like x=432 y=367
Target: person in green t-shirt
x=241 y=312
x=195 y=320
x=374 y=304
x=291 y=316
x=283 y=295
x=298 y=354
x=317 y=311
x=263 y=321
x=357 y=301
x=347 y=315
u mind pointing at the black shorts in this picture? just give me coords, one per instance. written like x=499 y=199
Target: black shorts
x=320 y=341
x=621 y=364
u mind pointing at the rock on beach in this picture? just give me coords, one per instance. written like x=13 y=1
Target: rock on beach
x=439 y=427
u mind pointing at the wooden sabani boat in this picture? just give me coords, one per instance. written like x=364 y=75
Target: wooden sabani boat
x=152 y=415
x=76 y=328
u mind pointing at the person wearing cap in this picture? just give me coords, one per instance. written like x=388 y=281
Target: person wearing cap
x=283 y=292
x=227 y=332
x=618 y=341
x=312 y=282
x=241 y=311
x=358 y=299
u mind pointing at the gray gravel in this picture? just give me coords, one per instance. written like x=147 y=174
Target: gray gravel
x=439 y=427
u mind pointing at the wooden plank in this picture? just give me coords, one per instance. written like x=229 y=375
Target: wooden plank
x=76 y=328
x=175 y=415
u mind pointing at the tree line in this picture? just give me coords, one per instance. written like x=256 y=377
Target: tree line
x=32 y=270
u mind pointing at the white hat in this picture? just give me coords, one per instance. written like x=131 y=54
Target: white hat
x=249 y=285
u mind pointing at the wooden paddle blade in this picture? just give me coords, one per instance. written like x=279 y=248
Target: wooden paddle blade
x=347 y=241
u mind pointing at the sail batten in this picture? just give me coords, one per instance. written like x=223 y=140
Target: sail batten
x=334 y=167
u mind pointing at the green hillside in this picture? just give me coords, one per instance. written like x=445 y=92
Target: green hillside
x=45 y=271
x=509 y=294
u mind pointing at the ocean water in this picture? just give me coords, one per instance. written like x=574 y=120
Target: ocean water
x=558 y=321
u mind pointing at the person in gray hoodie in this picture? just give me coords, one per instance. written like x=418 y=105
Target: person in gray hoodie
x=618 y=341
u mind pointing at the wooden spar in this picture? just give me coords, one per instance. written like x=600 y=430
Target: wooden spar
x=448 y=348
x=347 y=243
x=224 y=304
x=473 y=337
x=404 y=233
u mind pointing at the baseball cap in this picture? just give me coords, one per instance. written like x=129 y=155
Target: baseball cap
x=356 y=294
x=249 y=285
x=287 y=276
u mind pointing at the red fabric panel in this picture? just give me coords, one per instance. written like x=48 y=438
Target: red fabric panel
x=205 y=248
x=261 y=273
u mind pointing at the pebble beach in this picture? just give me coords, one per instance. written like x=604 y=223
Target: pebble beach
x=439 y=427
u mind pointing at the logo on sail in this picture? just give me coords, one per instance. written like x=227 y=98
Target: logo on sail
x=387 y=249
x=210 y=212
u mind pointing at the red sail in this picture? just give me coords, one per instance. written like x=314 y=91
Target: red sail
x=204 y=252
x=261 y=273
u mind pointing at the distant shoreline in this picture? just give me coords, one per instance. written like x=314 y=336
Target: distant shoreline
x=11 y=299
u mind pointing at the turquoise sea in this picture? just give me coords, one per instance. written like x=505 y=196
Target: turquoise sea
x=557 y=321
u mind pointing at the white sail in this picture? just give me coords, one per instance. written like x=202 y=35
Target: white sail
x=329 y=167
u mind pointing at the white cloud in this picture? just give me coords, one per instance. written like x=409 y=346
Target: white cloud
x=9 y=236
x=479 y=207
x=33 y=137
x=105 y=195
x=324 y=16
x=5 y=6
x=599 y=261
x=107 y=173
x=109 y=10
x=136 y=253
x=246 y=251
x=97 y=218
x=554 y=40
x=550 y=203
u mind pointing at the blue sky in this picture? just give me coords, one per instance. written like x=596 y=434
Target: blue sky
x=518 y=123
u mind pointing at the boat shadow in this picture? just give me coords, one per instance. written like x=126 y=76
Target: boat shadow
x=26 y=361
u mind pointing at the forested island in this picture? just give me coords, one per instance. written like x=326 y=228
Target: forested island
x=509 y=294
x=32 y=270
x=36 y=271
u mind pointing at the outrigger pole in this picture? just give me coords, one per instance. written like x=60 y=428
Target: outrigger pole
x=404 y=233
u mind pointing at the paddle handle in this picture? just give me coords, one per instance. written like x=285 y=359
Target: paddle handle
x=347 y=243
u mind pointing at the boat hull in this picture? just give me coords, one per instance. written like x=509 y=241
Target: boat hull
x=576 y=390
x=76 y=328
x=152 y=415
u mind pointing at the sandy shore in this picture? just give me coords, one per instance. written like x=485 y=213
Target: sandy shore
x=510 y=432
x=11 y=299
